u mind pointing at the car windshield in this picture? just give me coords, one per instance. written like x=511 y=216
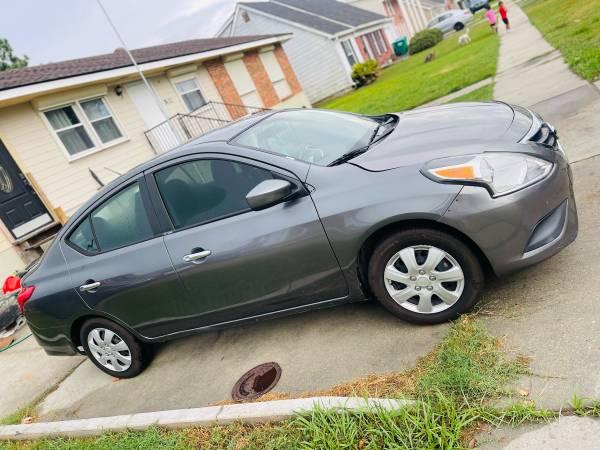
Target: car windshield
x=318 y=137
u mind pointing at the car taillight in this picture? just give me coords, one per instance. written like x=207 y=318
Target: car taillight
x=24 y=295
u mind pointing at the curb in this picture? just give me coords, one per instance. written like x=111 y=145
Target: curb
x=242 y=412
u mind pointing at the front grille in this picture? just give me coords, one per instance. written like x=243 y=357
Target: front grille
x=546 y=135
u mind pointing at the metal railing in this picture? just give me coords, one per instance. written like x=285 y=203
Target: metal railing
x=181 y=128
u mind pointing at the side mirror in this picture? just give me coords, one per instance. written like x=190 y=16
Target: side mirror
x=268 y=193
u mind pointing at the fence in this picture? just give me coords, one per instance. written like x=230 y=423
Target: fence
x=181 y=128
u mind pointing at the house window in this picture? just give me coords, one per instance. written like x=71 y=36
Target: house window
x=101 y=120
x=190 y=94
x=243 y=83
x=380 y=39
x=276 y=75
x=84 y=125
x=69 y=129
x=349 y=52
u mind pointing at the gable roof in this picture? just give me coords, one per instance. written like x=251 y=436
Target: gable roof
x=327 y=16
x=64 y=69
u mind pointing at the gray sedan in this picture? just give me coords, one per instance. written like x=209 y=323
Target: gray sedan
x=292 y=210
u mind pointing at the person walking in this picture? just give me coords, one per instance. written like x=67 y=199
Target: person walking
x=490 y=15
x=504 y=15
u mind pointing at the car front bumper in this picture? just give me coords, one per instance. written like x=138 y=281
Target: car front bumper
x=522 y=228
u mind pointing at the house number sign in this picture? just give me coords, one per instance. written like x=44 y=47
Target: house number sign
x=6 y=184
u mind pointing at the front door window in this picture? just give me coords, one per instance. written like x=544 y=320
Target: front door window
x=6 y=184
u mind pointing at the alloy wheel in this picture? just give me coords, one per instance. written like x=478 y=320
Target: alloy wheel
x=424 y=279
x=109 y=349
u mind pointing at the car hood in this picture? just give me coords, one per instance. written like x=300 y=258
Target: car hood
x=450 y=130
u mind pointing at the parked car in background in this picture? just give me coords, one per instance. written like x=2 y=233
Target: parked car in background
x=454 y=19
x=286 y=211
x=476 y=5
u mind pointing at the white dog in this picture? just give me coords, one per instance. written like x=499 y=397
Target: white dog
x=464 y=38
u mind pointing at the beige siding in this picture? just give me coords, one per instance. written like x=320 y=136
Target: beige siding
x=69 y=184
x=9 y=258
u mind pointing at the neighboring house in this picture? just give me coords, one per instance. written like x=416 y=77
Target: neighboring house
x=408 y=16
x=329 y=38
x=69 y=126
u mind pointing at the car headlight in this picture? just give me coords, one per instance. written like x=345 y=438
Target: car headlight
x=500 y=173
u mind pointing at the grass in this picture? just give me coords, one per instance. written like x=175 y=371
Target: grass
x=18 y=416
x=483 y=94
x=452 y=386
x=572 y=26
x=412 y=82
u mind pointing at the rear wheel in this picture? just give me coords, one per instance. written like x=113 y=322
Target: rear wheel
x=425 y=276
x=458 y=26
x=112 y=348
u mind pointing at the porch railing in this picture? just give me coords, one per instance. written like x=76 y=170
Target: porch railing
x=181 y=128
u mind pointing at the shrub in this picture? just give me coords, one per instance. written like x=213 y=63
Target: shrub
x=425 y=39
x=365 y=73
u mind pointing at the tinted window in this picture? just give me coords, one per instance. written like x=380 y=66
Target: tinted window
x=122 y=220
x=317 y=137
x=83 y=237
x=203 y=190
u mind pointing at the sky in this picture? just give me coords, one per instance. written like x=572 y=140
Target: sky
x=55 y=30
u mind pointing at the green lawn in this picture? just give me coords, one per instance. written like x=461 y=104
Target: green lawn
x=412 y=82
x=572 y=26
x=482 y=94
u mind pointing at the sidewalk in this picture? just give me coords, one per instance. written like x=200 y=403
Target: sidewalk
x=532 y=73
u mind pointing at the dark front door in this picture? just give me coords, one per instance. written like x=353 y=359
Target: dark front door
x=21 y=210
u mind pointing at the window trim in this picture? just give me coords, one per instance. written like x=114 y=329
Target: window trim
x=87 y=126
x=187 y=77
x=159 y=203
x=86 y=215
x=351 y=48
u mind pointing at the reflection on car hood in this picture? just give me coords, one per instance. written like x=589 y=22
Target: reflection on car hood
x=428 y=133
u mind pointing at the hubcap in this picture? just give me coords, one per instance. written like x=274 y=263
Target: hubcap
x=109 y=349
x=424 y=279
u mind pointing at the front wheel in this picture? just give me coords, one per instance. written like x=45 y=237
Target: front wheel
x=425 y=276
x=112 y=348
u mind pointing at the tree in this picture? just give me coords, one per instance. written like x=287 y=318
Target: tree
x=8 y=60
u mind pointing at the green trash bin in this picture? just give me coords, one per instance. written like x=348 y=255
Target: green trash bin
x=400 y=46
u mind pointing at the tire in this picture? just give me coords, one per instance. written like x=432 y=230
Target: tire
x=460 y=296
x=458 y=26
x=117 y=359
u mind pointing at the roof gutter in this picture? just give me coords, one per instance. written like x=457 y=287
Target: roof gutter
x=358 y=29
x=71 y=82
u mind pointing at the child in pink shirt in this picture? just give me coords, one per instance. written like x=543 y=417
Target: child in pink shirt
x=490 y=15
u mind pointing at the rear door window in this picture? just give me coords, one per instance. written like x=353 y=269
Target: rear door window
x=118 y=222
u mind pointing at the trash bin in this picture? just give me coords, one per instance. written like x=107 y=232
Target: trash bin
x=400 y=46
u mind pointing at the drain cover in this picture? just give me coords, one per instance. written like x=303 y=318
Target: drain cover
x=256 y=382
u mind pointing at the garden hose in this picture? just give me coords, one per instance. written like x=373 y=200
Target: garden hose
x=15 y=343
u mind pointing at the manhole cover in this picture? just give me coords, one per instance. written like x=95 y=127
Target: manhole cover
x=256 y=382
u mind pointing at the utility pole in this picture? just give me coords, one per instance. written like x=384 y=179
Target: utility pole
x=159 y=103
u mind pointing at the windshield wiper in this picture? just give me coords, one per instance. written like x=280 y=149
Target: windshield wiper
x=354 y=153
x=348 y=156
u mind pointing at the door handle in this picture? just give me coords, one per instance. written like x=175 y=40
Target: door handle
x=90 y=286
x=196 y=256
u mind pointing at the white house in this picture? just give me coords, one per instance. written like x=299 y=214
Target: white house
x=329 y=37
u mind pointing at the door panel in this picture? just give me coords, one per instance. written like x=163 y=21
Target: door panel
x=260 y=262
x=21 y=210
x=138 y=285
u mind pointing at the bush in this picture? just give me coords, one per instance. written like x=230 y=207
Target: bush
x=425 y=39
x=365 y=73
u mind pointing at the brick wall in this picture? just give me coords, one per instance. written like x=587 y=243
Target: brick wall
x=362 y=49
x=288 y=72
x=224 y=85
x=261 y=79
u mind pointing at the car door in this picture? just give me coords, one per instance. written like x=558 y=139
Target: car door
x=251 y=262
x=445 y=22
x=119 y=265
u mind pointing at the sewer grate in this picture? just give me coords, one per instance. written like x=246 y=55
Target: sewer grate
x=256 y=382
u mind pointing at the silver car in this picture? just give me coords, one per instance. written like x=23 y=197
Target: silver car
x=293 y=210
x=454 y=19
